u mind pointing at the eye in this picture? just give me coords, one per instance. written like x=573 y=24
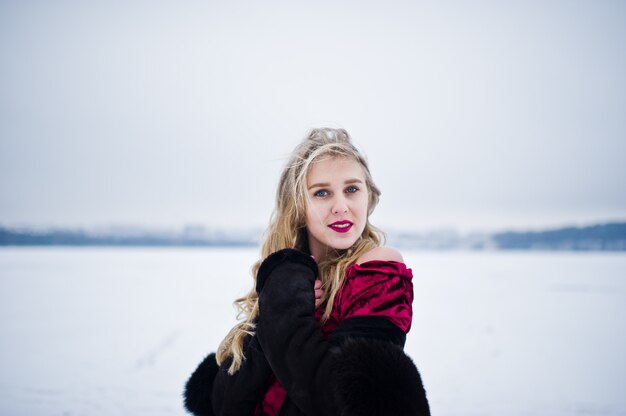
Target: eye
x=351 y=189
x=321 y=193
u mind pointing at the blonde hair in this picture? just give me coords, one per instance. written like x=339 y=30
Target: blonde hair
x=287 y=229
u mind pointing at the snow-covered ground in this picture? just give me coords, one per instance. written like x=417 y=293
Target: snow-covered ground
x=112 y=331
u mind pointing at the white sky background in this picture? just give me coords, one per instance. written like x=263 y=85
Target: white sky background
x=475 y=115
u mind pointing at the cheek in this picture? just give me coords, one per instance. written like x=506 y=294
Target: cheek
x=363 y=205
x=307 y=218
x=314 y=213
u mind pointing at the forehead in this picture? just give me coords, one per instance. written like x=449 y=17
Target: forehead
x=334 y=169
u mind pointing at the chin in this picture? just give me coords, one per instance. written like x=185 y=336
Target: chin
x=343 y=243
x=328 y=239
x=341 y=246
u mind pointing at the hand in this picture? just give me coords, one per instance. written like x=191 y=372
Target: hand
x=318 y=292
x=318 y=289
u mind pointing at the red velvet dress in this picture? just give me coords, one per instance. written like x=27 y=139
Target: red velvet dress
x=373 y=288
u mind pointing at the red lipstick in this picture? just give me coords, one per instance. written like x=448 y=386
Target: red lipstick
x=341 y=226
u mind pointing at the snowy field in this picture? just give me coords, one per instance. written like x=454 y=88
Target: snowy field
x=112 y=331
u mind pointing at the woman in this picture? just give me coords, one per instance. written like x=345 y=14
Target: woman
x=327 y=318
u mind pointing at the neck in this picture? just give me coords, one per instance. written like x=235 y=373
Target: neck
x=319 y=253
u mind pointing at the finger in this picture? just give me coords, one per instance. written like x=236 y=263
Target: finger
x=318 y=284
x=318 y=293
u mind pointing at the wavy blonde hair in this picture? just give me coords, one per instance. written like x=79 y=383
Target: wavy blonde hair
x=287 y=229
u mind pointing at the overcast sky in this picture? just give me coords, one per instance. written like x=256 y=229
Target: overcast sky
x=475 y=115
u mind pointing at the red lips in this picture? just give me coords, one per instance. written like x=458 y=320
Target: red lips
x=341 y=226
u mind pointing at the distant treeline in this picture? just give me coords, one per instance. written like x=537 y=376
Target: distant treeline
x=23 y=237
x=604 y=237
x=596 y=237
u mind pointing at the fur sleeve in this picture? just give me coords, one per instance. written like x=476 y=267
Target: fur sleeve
x=199 y=387
x=360 y=371
x=375 y=377
x=212 y=391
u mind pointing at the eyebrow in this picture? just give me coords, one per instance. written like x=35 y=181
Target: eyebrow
x=323 y=184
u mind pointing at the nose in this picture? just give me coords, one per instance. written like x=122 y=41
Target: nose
x=340 y=205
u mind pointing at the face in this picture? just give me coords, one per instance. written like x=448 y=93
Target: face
x=336 y=211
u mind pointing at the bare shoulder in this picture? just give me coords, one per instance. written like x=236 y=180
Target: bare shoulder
x=381 y=253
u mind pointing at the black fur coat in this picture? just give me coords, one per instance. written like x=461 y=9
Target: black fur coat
x=360 y=370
